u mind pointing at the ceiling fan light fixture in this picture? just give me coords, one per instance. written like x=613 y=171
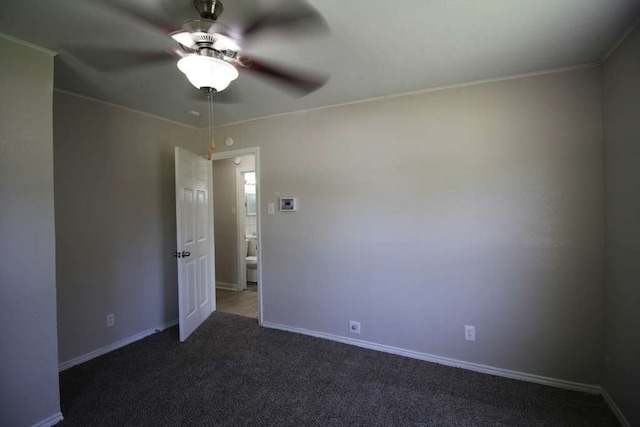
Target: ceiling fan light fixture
x=205 y=71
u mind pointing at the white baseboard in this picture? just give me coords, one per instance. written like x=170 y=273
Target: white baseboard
x=104 y=350
x=228 y=286
x=50 y=421
x=589 y=388
x=614 y=408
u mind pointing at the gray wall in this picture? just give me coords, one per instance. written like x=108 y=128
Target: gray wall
x=622 y=165
x=115 y=221
x=29 y=357
x=225 y=228
x=419 y=214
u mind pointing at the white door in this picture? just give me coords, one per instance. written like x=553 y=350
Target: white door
x=194 y=223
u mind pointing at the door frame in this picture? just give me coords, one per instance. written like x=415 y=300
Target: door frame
x=255 y=151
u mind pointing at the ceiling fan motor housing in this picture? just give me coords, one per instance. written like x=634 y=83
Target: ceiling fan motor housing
x=209 y=9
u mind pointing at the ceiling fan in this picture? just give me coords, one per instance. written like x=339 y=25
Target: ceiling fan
x=211 y=54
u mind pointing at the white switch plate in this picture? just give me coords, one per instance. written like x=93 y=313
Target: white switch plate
x=111 y=320
x=469 y=333
x=271 y=208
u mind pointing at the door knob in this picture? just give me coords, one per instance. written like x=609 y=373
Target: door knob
x=185 y=254
x=176 y=254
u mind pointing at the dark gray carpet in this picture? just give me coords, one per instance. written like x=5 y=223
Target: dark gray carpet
x=232 y=372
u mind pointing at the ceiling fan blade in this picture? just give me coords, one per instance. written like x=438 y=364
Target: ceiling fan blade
x=117 y=60
x=287 y=16
x=150 y=19
x=301 y=82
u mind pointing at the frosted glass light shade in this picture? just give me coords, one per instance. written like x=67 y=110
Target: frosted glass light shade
x=205 y=71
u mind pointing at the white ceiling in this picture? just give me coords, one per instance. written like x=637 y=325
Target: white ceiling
x=375 y=48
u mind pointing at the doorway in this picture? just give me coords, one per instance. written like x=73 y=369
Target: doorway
x=238 y=246
x=247 y=225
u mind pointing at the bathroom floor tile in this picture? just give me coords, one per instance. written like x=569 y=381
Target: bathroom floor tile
x=242 y=303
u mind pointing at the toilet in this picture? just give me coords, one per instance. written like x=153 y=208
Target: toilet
x=252 y=259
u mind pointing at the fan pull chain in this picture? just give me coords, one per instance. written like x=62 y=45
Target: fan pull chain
x=212 y=142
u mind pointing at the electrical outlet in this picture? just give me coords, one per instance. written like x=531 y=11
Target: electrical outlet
x=354 y=327
x=111 y=320
x=469 y=333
